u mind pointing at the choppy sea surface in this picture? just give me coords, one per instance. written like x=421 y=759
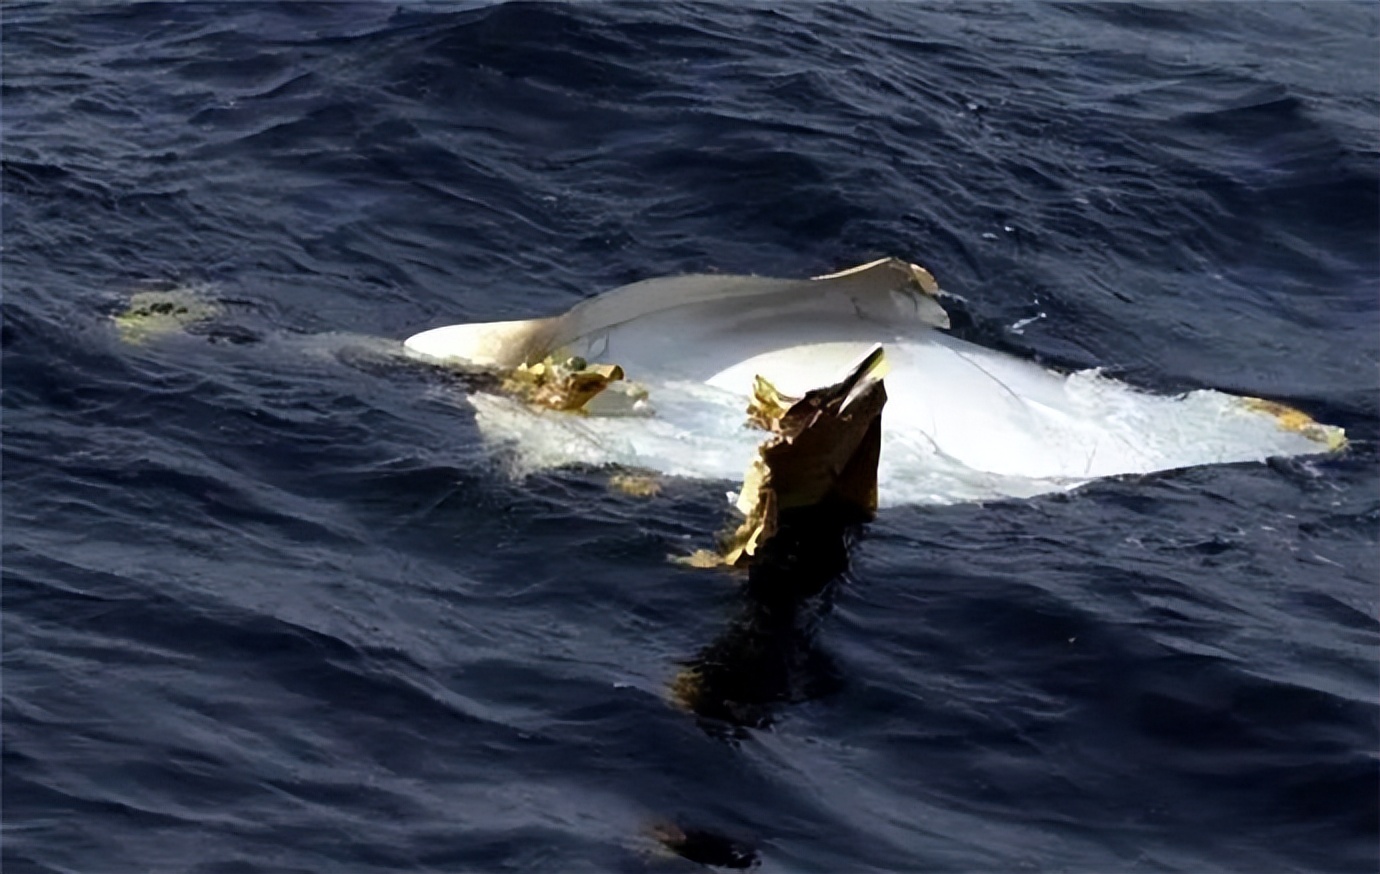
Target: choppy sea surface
x=270 y=605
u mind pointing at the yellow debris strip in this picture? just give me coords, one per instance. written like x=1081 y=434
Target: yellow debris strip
x=1299 y=422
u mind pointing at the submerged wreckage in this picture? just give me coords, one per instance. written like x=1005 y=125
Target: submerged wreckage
x=780 y=382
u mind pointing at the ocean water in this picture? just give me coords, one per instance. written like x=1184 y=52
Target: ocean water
x=270 y=605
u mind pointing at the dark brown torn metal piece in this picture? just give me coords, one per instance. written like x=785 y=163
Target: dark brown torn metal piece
x=824 y=450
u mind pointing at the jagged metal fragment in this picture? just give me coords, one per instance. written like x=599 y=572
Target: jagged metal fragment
x=823 y=451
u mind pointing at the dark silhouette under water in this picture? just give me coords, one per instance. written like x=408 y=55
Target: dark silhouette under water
x=767 y=656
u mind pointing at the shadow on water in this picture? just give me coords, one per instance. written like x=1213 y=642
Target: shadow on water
x=768 y=656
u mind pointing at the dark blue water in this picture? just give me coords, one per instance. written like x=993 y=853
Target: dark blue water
x=268 y=604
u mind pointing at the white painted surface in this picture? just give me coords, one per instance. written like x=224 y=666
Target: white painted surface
x=961 y=422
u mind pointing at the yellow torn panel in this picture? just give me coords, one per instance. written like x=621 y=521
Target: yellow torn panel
x=560 y=384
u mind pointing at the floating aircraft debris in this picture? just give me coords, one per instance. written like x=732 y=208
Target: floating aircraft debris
x=962 y=422
x=822 y=453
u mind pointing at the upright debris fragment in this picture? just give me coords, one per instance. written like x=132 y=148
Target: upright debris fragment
x=823 y=452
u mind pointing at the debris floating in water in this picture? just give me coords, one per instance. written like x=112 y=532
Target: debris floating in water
x=703 y=847
x=566 y=385
x=153 y=313
x=636 y=485
x=963 y=422
x=1298 y=422
x=823 y=452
